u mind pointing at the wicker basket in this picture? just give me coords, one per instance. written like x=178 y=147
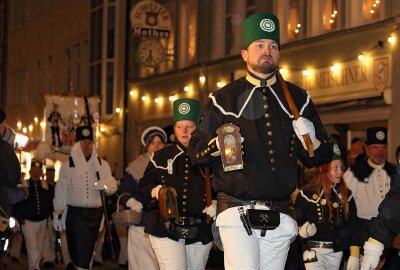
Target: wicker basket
x=125 y=217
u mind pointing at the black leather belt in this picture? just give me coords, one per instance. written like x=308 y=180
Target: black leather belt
x=318 y=244
x=224 y=201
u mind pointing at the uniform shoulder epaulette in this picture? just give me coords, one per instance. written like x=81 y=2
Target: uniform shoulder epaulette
x=390 y=169
x=362 y=170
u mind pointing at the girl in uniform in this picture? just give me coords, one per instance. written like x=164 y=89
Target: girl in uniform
x=325 y=213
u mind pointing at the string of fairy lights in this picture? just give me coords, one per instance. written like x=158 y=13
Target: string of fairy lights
x=188 y=89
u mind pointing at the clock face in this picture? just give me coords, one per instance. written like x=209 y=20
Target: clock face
x=150 y=52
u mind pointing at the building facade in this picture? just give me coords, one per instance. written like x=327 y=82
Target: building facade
x=67 y=48
x=140 y=55
x=344 y=53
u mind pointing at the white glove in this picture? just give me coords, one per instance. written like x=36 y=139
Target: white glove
x=212 y=209
x=57 y=223
x=353 y=263
x=307 y=230
x=133 y=204
x=303 y=126
x=154 y=191
x=372 y=253
x=100 y=185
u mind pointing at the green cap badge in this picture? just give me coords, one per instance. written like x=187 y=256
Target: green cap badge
x=260 y=26
x=337 y=154
x=186 y=109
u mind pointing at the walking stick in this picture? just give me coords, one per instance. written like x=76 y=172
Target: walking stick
x=295 y=112
x=208 y=191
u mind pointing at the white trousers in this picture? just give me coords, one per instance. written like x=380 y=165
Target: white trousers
x=244 y=252
x=327 y=260
x=141 y=255
x=34 y=235
x=175 y=255
x=64 y=247
x=122 y=232
x=49 y=246
x=16 y=245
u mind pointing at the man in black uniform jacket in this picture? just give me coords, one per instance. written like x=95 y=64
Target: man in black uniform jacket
x=272 y=144
x=384 y=227
x=10 y=172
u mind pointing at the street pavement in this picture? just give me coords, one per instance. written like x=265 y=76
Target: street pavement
x=215 y=263
x=23 y=265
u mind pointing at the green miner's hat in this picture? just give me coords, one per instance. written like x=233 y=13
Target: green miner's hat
x=337 y=154
x=260 y=26
x=186 y=109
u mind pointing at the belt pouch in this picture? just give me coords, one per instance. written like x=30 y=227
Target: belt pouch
x=263 y=219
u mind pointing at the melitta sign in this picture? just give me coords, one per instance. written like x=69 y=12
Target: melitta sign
x=150 y=19
x=352 y=80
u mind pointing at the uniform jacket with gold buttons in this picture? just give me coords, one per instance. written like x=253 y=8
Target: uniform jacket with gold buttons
x=271 y=147
x=311 y=206
x=38 y=206
x=171 y=167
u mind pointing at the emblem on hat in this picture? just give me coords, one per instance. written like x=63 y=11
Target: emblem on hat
x=184 y=108
x=267 y=25
x=86 y=132
x=336 y=149
x=380 y=135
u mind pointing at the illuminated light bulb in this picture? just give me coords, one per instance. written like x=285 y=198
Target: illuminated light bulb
x=372 y=11
x=118 y=110
x=21 y=140
x=158 y=100
x=30 y=127
x=296 y=31
x=361 y=57
x=172 y=98
x=220 y=84
x=131 y=93
x=391 y=39
x=333 y=15
x=335 y=12
x=144 y=98
x=42 y=124
x=24 y=130
x=298 y=25
x=102 y=129
x=202 y=79
x=283 y=71
x=377 y=1
x=307 y=72
x=335 y=68
x=36 y=120
x=19 y=125
x=374 y=5
x=331 y=21
x=186 y=88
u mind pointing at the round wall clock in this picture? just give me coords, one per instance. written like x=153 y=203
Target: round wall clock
x=150 y=52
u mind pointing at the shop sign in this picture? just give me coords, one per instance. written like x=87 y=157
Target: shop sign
x=351 y=80
x=150 y=19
